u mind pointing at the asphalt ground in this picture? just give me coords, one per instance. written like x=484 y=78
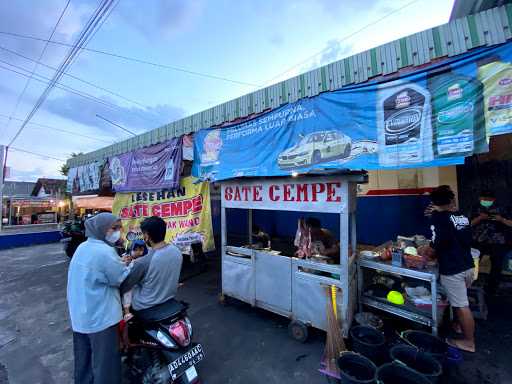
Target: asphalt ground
x=243 y=344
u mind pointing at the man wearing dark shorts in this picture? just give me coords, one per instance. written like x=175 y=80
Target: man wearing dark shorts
x=451 y=239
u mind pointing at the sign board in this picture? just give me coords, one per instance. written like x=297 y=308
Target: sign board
x=147 y=169
x=47 y=218
x=84 y=178
x=312 y=194
x=186 y=211
x=431 y=117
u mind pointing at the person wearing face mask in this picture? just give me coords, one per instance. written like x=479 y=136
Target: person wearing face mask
x=94 y=276
x=154 y=278
x=491 y=235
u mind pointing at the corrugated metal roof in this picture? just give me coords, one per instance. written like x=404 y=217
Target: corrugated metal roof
x=463 y=8
x=486 y=28
x=18 y=188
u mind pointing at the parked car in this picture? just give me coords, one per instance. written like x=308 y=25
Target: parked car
x=316 y=148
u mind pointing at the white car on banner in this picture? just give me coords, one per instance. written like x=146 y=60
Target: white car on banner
x=316 y=148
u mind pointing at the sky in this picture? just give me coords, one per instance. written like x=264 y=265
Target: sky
x=253 y=42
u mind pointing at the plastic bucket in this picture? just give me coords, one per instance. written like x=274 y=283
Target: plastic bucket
x=367 y=341
x=394 y=373
x=427 y=343
x=356 y=369
x=417 y=360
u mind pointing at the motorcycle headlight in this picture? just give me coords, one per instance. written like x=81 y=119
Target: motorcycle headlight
x=165 y=340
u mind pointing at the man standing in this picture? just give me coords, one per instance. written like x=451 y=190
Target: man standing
x=490 y=235
x=94 y=276
x=154 y=277
x=451 y=239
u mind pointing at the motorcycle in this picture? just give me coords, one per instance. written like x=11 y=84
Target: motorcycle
x=73 y=234
x=157 y=345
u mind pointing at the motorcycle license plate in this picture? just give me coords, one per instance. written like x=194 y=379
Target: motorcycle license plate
x=179 y=366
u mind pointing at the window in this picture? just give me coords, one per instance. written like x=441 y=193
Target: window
x=331 y=136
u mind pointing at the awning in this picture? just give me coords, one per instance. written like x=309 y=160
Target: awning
x=93 y=202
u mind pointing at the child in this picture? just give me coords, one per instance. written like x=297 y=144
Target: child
x=138 y=249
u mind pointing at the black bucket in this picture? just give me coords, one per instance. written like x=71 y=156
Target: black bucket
x=367 y=341
x=394 y=373
x=421 y=362
x=356 y=369
x=427 y=343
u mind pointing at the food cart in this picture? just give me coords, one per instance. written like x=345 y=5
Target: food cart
x=284 y=284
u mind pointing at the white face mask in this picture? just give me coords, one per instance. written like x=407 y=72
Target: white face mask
x=113 y=237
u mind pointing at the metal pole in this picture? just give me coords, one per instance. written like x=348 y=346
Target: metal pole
x=10 y=211
x=249 y=226
x=2 y=151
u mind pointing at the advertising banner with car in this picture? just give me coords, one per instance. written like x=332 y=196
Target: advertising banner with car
x=147 y=169
x=186 y=210
x=433 y=117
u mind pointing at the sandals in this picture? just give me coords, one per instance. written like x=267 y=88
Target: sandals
x=460 y=345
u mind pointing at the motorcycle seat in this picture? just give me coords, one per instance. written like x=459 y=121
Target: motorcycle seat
x=168 y=309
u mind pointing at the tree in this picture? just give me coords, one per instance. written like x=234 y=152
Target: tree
x=64 y=169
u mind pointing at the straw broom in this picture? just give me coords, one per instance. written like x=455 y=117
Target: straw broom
x=334 y=343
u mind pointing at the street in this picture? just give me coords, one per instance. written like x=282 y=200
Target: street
x=242 y=344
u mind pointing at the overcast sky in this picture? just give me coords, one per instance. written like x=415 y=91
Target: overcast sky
x=249 y=41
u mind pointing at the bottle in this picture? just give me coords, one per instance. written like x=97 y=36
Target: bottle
x=496 y=77
x=457 y=114
x=404 y=130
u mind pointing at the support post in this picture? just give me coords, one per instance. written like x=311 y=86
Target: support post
x=249 y=226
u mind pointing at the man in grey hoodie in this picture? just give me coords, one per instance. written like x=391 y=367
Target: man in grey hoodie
x=154 y=278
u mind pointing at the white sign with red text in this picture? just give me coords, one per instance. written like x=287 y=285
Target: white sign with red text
x=319 y=194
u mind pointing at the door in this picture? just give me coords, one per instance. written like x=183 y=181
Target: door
x=274 y=280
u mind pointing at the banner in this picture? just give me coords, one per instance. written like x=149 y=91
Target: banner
x=152 y=168
x=433 y=117
x=186 y=210
x=85 y=178
x=321 y=194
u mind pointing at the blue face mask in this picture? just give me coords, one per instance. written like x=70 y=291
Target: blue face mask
x=486 y=203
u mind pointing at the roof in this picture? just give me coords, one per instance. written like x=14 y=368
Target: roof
x=18 y=188
x=463 y=8
x=51 y=186
x=487 y=28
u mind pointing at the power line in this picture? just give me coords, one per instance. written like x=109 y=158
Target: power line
x=66 y=63
x=136 y=60
x=37 y=154
x=77 y=78
x=117 y=125
x=37 y=62
x=341 y=40
x=67 y=88
x=58 y=129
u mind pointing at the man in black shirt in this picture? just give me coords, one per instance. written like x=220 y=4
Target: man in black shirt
x=491 y=232
x=451 y=239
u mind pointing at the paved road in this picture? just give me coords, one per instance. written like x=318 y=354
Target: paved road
x=243 y=345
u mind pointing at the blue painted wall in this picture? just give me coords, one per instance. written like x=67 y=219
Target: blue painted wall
x=379 y=219
x=26 y=239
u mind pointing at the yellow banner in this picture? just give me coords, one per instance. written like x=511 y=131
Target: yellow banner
x=186 y=211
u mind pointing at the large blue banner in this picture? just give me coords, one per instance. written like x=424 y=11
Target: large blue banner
x=432 y=117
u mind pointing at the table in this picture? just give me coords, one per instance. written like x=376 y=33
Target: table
x=426 y=317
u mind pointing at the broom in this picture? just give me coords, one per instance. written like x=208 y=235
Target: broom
x=334 y=343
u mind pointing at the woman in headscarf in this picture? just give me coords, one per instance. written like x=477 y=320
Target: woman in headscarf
x=94 y=276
